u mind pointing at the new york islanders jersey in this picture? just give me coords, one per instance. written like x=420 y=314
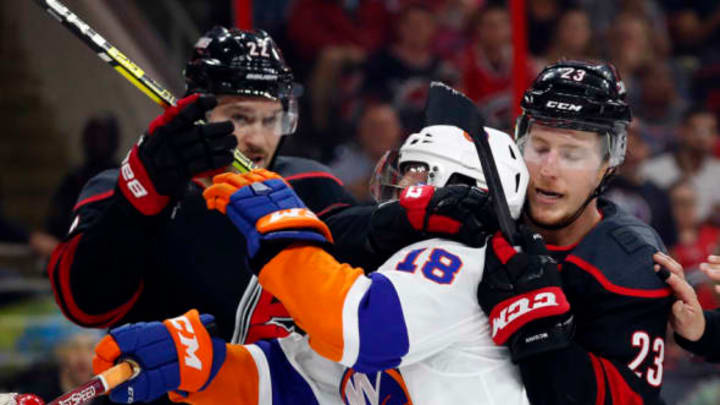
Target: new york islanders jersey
x=410 y=333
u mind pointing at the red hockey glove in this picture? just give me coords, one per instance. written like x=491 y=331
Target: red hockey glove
x=522 y=294
x=458 y=212
x=174 y=150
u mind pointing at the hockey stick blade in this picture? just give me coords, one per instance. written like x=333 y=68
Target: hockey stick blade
x=123 y=65
x=447 y=106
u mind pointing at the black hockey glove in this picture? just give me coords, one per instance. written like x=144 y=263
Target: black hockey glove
x=458 y=212
x=522 y=294
x=174 y=150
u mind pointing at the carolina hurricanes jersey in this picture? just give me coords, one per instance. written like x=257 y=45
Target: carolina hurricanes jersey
x=410 y=333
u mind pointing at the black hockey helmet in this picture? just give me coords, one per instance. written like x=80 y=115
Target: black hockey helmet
x=579 y=95
x=232 y=61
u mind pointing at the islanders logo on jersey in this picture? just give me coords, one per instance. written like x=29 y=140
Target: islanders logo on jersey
x=382 y=388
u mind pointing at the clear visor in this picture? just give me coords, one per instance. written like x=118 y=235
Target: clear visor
x=278 y=122
x=541 y=146
x=390 y=178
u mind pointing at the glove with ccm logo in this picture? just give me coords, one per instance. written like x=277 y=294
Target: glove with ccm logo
x=174 y=150
x=267 y=212
x=521 y=291
x=458 y=212
x=177 y=354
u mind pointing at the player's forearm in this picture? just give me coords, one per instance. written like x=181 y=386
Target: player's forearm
x=237 y=382
x=350 y=228
x=313 y=286
x=339 y=307
x=707 y=346
x=97 y=271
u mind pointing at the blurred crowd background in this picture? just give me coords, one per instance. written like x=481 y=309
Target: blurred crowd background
x=365 y=66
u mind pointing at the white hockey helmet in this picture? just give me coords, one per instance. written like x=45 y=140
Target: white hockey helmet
x=447 y=154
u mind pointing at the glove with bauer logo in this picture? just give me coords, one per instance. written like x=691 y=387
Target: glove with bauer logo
x=458 y=212
x=175 y=149
x=267 y=212
x=521 y=291
x=177 y=354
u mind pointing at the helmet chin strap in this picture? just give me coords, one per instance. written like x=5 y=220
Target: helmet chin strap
x=609 y=173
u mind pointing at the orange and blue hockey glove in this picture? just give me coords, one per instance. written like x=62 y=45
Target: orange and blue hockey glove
x=267 y=212
x=177 y=354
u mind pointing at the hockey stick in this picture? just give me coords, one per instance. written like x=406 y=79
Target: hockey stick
x=100 y=384
x=129 y=70
x=447 y=106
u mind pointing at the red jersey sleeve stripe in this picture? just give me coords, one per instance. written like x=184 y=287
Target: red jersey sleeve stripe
x=599 y=379
x=312 y=175
x=608 y=285
x=59 y=274
x=332 y=207
x=620 y=391
x=94 y=198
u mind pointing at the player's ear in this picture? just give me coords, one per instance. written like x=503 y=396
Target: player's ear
x=601 y=171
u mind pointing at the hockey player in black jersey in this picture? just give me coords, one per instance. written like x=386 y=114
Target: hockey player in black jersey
x=609 y=347
x=144 y=246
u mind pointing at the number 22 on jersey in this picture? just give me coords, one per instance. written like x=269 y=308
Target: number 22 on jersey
x=439 y=265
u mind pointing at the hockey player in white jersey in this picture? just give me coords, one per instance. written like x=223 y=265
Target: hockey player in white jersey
x=411 y=332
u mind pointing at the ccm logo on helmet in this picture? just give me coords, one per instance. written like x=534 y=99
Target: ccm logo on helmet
x=563 y=106
x=191 y=344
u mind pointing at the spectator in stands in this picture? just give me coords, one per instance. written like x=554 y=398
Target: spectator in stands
x=606 y=14
x=453 y=18
x=378 y=131
x=657 y=102
x=693 y=159
x=639 y=196
x=99 y=144
x=402 y=71
x=571 y=39
x=630 y=46
x=485 y=65
x=695 y=27
x=316 y=24
x=696 y=241
x=543 y=18
x=68 y=365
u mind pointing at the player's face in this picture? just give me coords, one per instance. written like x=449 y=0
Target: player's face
x=256 y=121
x=565 y=167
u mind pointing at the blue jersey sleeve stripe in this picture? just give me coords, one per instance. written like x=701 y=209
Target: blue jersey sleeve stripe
x=288 y=386
x=381 y=324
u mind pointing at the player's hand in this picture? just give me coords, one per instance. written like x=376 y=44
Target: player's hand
x=20 y=399
x=458 y=212
x=177 y=354
x=711 y=268
x=174 y=150
x=521 y=291
x=686 y=317
x=267 y=212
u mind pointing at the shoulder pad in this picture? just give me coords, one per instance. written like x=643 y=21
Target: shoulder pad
x=102 y=184
x=620 y=249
